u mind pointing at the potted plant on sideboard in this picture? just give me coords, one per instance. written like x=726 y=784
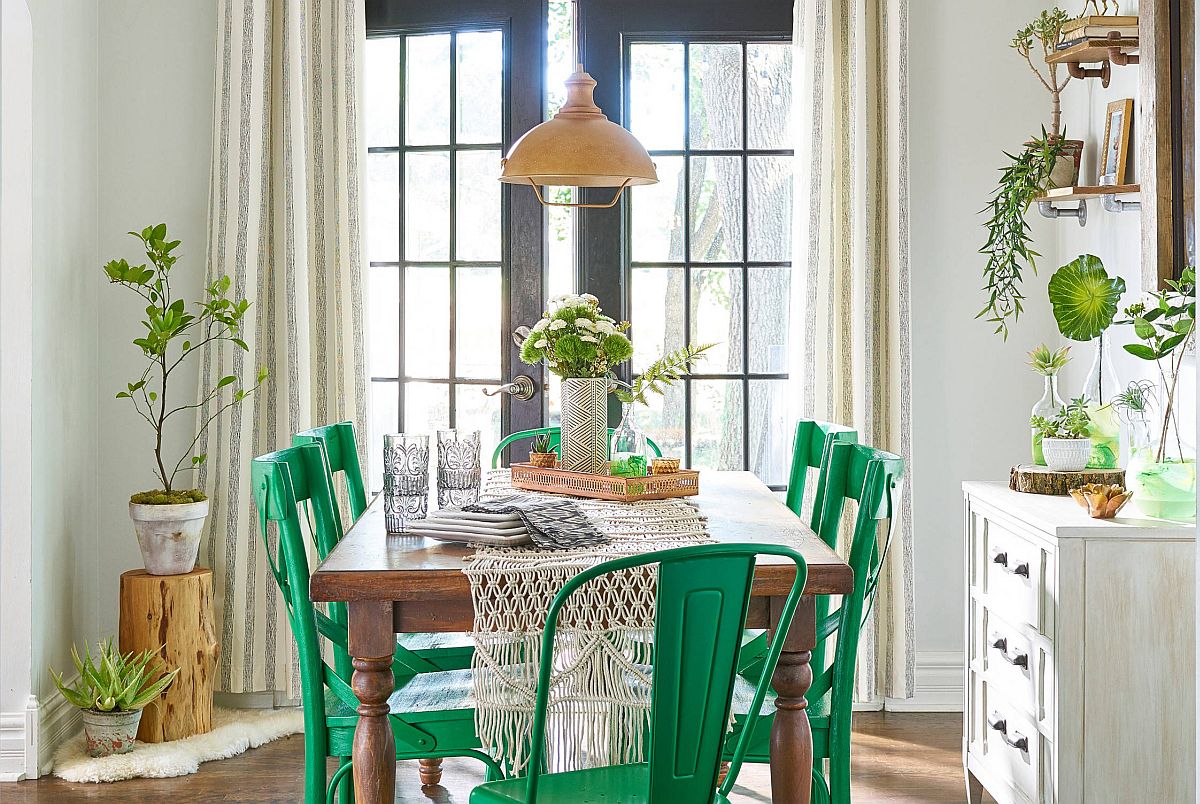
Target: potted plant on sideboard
x=111 y=692
x=1162 y=468
x=1065 y=441
x=168 y=520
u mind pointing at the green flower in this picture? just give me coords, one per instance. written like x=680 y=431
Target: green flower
x=617 y=348
x=573 y=349
x=529 y=353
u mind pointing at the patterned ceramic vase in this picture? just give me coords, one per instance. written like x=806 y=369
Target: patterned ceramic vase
x=584 y=446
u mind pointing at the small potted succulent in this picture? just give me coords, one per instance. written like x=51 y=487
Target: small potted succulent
x=168 y=520
x=1066 y=443
x=111 y=691
x=541 y=454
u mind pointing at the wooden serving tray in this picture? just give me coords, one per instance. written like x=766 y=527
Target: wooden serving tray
x=684 y=483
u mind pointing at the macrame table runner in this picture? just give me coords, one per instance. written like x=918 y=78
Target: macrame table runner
x=600 y=690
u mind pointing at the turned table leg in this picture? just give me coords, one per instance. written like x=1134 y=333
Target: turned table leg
x=791 y=735
x=371 y=643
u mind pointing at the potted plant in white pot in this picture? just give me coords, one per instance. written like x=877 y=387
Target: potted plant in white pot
x=1162 y=467
x=111 y=692
x=168 y=520
x=1066 y=444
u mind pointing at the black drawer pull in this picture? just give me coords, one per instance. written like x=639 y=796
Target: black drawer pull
x=1001 y=558
x=1018 y=741
x=1000 y=643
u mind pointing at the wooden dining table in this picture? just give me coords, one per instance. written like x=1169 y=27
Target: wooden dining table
x=402 y=584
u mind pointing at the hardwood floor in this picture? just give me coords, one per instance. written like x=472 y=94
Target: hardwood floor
x=898 y=759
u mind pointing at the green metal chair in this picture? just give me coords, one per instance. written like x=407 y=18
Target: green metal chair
x=424 y=652
x=555 y=434
x=810 y=451
x=703 y=593
x=431 y=713
x=871 y=478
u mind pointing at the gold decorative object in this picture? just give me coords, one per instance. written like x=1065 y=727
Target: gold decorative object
x=664 y=466
x=579 y=146
x=1102 y=500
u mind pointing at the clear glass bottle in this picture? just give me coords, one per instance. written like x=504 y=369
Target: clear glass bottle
x=627 y=447
x=1101 y=388
x=1046 y=407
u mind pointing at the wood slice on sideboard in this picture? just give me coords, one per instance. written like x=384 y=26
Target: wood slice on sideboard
x=173 y=615
x=1033 y=479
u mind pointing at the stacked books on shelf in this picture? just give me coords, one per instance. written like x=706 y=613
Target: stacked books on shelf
x=1087 y=29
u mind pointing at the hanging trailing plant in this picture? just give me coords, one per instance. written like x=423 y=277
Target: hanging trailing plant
x=1009 y=247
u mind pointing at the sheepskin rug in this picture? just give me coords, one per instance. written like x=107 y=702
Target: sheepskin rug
x=234 y=730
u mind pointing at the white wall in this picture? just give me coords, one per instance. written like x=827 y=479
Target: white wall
x=970 y=98
x=66 y=428
x=156 y=98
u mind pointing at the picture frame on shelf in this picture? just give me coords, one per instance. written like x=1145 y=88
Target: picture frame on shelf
x=1114 y=156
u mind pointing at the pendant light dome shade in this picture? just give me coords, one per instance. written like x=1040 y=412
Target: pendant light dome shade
x=578 y=147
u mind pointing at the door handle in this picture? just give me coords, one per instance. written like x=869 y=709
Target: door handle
x=521 y=388
x=1001 y=558
x=1000 y=643
x=1018 y=741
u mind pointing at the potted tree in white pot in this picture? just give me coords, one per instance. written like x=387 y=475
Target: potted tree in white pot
x=168 y=520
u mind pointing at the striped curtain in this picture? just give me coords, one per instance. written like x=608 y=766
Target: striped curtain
x=285 y=226
x=850 y=306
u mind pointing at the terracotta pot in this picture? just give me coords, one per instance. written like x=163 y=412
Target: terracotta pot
x=543 y=460
x=109 y=733
x=169 y=535
x=1066 y=168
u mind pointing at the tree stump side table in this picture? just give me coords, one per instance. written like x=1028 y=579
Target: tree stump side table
x=173 y=615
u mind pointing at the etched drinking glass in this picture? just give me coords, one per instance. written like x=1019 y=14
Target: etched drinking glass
x=459 y=469
x=405 y=480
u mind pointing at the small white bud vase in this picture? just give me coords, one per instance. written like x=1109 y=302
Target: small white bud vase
x=584 y=446
x=1067 y=454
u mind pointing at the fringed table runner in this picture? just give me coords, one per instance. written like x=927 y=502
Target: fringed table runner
x=600 y=690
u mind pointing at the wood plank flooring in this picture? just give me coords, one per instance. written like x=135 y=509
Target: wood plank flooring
x=898 y=759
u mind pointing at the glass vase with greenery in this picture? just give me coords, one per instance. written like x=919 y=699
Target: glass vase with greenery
x=1164 y=476
x=1047 y=363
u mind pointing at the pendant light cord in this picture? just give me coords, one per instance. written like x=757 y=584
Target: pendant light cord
x=577 y=34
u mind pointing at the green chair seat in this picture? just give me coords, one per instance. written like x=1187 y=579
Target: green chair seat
x=423 y=694
x=555 y=435
x=760 y=742
x=617 y=784
x=448 y=651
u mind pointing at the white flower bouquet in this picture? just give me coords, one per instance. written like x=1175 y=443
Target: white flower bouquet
x=576 y=339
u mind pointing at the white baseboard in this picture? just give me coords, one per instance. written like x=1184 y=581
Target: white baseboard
x=939 y=684
x=18 y=743
x=58 y=720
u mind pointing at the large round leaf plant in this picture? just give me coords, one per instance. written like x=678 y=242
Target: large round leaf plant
x=1084 y=297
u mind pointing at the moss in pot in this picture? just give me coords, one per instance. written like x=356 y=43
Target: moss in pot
x=111 y=690
x=168 y=520
x=1065 y=437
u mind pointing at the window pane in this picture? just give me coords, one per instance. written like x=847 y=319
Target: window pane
x=770 y=303
x=427 y=322
x=716 y=198
x=383 y=207
x=656 y=95
x=480 y=82
x=715 y=104
x=770 y=435
x=385 y=418
x=478 y=343
x=382 y=90
x=383 y=342
x=560 y=58
x=560 y=244
x=426 y=410
x=769 y=84
x=717 y=318
x=717 y=424
x=427 y=206
x=474 y=411
x=770 y=208
x=477 y=236
x=657 y=214
x=427 y=90
x=662 y=420
x=657 y=314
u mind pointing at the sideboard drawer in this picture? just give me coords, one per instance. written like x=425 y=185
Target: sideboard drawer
x=1009 y=661
x=1011 y=743
x=1015 y=577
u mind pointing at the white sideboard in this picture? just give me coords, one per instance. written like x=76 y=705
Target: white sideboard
x=1080 y=635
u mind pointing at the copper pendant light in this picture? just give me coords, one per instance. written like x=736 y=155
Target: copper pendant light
x=579 y=146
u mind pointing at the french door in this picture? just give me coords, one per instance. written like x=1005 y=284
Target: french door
x=455 y=258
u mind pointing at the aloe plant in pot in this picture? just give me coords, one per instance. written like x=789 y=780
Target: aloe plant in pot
x=111 y=690
x=168 y=520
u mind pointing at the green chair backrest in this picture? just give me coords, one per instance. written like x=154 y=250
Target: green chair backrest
x=810 y=450
x=703 y=593
x=555 y=434
x=872 y=478
x=341 y=449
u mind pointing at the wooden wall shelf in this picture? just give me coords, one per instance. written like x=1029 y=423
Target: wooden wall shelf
x=1083 y=192
x=1115 y=49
